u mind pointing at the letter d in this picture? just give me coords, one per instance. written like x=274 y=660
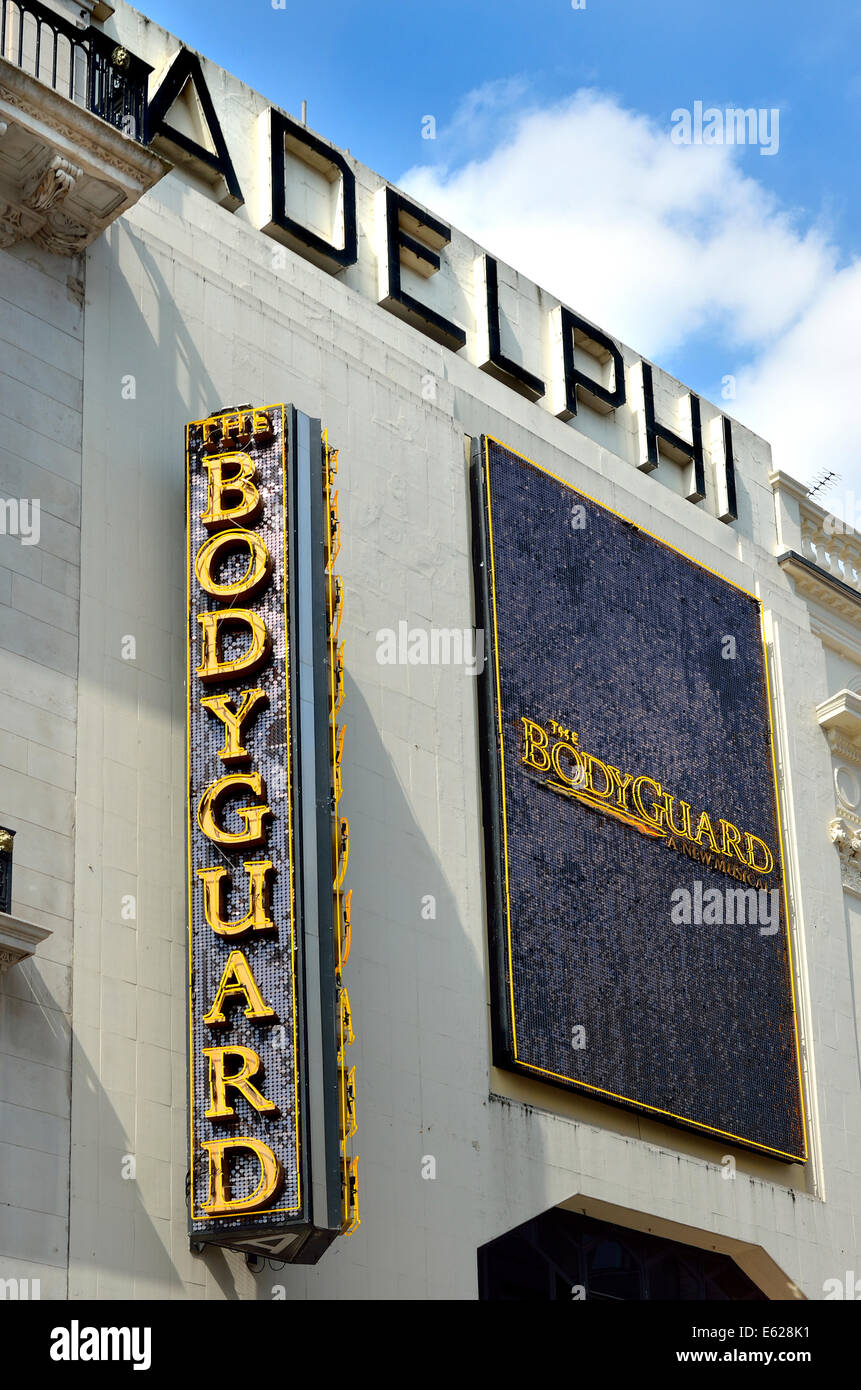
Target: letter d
x=271 y=1176
x=212 y=667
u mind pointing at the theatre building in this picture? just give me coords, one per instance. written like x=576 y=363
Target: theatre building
x=430 y=746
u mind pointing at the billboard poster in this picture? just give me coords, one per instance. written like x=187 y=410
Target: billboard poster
x=638 y=915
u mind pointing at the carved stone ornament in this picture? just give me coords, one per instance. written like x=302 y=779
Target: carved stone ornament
x=16 y=223
x=52 y=185
x=72 y=149
x=61 y=238
x=847 y=841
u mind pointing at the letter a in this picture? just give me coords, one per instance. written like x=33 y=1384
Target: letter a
x=238 y=980
x=680 y=915
x=186 y=72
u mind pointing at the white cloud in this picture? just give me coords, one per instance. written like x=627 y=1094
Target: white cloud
x=803 y=391
x=660 y=244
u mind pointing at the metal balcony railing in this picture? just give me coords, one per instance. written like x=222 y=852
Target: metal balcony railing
x=6 y=838
x=85 y=65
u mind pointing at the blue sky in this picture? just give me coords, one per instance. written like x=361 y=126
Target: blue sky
x=370 y=71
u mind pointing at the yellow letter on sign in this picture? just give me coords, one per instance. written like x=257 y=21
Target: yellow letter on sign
x=241 y=485
x=224 y=708
x=217 y=548
x=238 y=980
x=254 y=831
x=256 y=918
x=219 y=1084
x=212 y=667
x=219 y=1203
x=534 y=742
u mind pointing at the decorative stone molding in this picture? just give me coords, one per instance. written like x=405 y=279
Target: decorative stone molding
x=17 y=224
x=843 y=748
x=53 y=185
x=65 y=174
x=820 y=552
x=55 y=234
x=847 y=841
x=18 y=940
x=841 y=713
x=814 y=584
x=65 y=239
x=840 y=719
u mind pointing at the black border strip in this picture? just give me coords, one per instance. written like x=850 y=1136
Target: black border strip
x=489 y=763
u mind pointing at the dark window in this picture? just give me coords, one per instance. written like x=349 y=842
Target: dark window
x=560 y=1251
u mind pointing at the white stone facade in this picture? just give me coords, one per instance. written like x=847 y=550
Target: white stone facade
x=179 y=307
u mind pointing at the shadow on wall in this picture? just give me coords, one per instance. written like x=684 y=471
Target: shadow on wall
x=421 y=1047
x=416 y=975
x=421 y=1052
x=144 y=379
x=34 y=1126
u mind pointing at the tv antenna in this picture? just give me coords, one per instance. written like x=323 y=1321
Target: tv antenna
x=824 y=481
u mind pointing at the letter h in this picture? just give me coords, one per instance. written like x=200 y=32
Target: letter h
x=676 y=448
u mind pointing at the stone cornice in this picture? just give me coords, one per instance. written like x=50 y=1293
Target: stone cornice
x=815 y=583
x=786 y=483
x=71 y=174
x=76 y=133
x=790 y=559
x=18 y=939
x=840 y=714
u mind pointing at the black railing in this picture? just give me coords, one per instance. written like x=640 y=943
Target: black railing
x=6 y=838
x=85 y=65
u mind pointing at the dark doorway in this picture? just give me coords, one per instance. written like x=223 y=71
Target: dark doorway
x=563 y=1255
